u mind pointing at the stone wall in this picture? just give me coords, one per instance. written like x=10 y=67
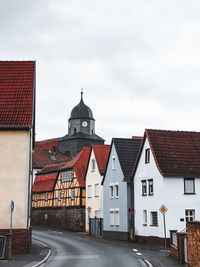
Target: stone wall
x=194 y=243
x=72 y=219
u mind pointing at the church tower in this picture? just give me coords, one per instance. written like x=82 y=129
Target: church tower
x=81 y=130
x=81 y=120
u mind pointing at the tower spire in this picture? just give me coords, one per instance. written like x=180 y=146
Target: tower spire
x=82 y=94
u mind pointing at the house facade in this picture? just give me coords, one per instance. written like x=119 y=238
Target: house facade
x=94 y=175
x=167 y=173
x=17 y=131
x=117 y=191
x=58 y=197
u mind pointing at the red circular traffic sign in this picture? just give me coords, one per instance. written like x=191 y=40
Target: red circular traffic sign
x=131 y=210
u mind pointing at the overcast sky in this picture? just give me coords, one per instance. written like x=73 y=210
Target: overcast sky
x=138 y=62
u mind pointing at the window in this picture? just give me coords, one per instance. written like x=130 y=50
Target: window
x=46 y=196
x=147 y=155
x=150 y=186
x=111 y=191
x=35 y=199
x=72 y=194
x=116 y=190
x=89 y=191
x=113 y=163
x=59 y=195
x=117 y=217
x=75 y=131
x=144 y=217
x=52 y=157
x=154 y=218
x=93 y=165
x=66 y=176
x=96 y=190
x=111 y=216
x=189 y=186
x=189 y=215
x=144 y=187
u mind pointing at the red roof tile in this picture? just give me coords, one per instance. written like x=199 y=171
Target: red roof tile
x=176 y=153
x=16 y=93
x=50 y=144
x=41 y=158
x=79 y=163
x=101 y=153
x=44 y=183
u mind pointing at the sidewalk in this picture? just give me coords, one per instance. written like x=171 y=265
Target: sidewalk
x=38 y=253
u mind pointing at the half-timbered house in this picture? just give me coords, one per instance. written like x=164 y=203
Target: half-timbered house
x=59 y=194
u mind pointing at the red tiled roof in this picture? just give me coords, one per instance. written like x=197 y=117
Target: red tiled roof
x=176 y=153
x=16 y=93
x=101 y=153
x=79 y=163
x=44 y=183
x=41 y=158
x=47 y=144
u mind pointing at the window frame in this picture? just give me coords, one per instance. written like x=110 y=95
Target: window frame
x=153 y=218
x=113 y=163
x=46 y=196
x=189 y=179
x=144 y=185
x=72 y=193
x=144 y=217
x=59 y=195
x=117 y=217
x=150 y=192
x=35 y=197
x=96 y=190
x=190 y=216
x=116 y=192
x=112 y=217
x=111 y=190
x=147 y=155
x=89 y=191
x=93 y=165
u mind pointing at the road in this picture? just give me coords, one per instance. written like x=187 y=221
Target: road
x=71 y=249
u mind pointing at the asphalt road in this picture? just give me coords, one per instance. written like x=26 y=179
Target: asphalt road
x=69 y=249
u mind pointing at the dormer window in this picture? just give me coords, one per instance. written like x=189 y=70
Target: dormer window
x=147 y=155
x=52 y=157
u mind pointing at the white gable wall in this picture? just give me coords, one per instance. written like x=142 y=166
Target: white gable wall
x=94 y=202
x=167 y=191
x=113 y=177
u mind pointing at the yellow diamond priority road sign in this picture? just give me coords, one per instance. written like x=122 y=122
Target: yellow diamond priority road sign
x=163 y=209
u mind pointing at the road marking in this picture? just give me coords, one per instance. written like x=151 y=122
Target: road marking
x=76 y=257
x=135 y=250
x=139 y=254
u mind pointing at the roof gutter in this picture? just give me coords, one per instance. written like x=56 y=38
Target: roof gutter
x=13 y=127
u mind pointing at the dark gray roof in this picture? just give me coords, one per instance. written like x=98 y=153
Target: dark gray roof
x=127 y=151
x=81 y=111
x=80 y=135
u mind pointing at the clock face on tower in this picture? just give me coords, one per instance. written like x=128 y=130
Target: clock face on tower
x=84 y=123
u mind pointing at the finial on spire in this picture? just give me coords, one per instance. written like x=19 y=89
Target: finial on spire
x=82 y=94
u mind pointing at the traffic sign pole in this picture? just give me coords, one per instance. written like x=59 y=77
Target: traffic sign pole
x=163 y=210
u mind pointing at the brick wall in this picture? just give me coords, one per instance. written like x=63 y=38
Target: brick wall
x=72 y=219
x=20 y=241
x=194 y=243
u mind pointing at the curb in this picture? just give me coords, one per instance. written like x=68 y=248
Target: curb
x=47 y=256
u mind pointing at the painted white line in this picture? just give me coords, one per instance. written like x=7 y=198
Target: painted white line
x=47 y=256
x=139 y=254
x=148 y=263
x=76 y=257
x=134 y=249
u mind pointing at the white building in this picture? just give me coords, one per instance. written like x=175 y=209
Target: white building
x=94 y=175
x=167 y=172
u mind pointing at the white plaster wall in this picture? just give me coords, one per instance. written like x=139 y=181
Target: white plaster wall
x=167 y=191
x=121 y=203
x=14 y=177
x=92 y=178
